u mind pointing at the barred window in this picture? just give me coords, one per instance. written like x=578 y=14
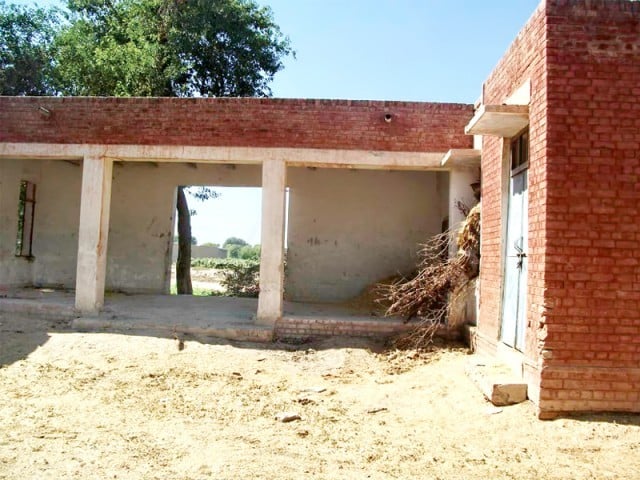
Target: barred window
x=26 y=210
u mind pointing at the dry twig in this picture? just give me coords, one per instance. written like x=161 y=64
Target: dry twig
x=437 y=283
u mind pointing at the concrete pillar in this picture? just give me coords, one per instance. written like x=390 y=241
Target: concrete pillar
x=274 y=174
x=95 y=203
x=461 y=304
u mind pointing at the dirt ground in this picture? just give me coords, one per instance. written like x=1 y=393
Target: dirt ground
x=203 y=280
x=98 y=405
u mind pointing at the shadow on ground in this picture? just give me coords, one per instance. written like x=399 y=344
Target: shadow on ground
x=20 y=335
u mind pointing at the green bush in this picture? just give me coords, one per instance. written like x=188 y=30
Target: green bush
x=240 y=277
x=242 y=280
x=220 y=263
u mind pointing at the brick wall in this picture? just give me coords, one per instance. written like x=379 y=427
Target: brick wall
x=582 y=347
x=524 y=60
x=302 y=328
x=592 y=332
x=335 y=124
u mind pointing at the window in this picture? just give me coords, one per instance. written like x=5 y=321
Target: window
x=26 y=210
x=520 y=152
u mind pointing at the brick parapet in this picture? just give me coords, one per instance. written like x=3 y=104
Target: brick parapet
x=238 y=122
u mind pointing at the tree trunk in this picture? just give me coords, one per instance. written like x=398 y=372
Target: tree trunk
x=183 y=264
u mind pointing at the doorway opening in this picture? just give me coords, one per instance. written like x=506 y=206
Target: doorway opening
x=225 y=224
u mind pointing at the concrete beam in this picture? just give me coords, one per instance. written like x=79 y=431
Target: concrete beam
x=498 y=120
x=274 y=176
x=95 y=205
x=462 y=158
x=297 y=157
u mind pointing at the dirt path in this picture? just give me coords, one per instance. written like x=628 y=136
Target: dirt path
x=86 y=406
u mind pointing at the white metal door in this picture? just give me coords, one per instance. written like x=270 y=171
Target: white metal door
x=514 y=304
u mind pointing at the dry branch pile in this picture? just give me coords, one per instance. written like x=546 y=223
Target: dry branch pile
x=439 y=280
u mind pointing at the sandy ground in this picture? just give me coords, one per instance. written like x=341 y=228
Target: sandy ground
x=89 y=405
x=203 y=279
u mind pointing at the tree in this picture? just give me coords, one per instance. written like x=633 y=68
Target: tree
x=234 y=241
x=185 y=239
x=234 y=245
x=26 y=39
x=181 y=48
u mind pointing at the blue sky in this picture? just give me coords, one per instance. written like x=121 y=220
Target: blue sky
x=415 y=50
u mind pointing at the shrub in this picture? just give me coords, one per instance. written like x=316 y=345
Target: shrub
x=240 y=277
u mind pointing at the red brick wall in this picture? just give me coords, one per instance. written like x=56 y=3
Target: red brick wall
x=525 y=60
x=593 y=207
x=339 y=124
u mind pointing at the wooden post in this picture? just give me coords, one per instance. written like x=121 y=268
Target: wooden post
x=274 y=175
x=95 y=205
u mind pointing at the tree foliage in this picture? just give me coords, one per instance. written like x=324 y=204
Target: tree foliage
x=168 y=48
x=234 y=241
x=26 y=39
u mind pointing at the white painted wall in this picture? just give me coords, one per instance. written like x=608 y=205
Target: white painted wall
x=142 y=218
x=14 y=271
x=347 y=228
x=351 y=228
x=141 y=226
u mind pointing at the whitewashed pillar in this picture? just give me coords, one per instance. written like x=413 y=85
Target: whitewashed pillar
x=95 y=202
x=274 y=177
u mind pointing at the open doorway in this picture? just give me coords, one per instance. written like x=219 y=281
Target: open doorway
x=225 y=241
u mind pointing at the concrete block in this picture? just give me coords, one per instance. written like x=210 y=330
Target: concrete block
x=496 y=381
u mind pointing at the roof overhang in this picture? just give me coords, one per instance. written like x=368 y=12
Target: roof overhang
x=461 y=158
x=498 y=120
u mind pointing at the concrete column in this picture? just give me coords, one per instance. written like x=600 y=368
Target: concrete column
x=274 y=174
x=460 y=180
x=95 y=203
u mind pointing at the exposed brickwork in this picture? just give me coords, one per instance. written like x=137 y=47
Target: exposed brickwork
x=583 y=58
x=592 y=167
x=525 y=60
x=334 y=124
x=301 y=327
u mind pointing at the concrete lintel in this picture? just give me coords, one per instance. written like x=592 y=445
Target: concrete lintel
x=461 y=158
x=270 y=300
x=498 y=120
x=95 y=205
x=338 y=158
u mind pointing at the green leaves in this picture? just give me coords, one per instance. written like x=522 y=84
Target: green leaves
x=109 y=48
x=226 y=48
x=141 y=48
x=26 y=36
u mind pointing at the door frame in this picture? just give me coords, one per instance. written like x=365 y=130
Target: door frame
x=509 y=170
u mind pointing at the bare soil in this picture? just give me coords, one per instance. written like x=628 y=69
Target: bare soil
x=97 y=405
x=203 y=280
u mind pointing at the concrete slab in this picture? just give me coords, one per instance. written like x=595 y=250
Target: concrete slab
x=221 y=317
x=496 y=381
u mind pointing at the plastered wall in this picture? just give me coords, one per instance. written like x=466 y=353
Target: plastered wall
x=351 y=228
x=347 y=228
x=141 y=223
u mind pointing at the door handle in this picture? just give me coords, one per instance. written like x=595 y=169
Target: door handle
x=520 y=254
